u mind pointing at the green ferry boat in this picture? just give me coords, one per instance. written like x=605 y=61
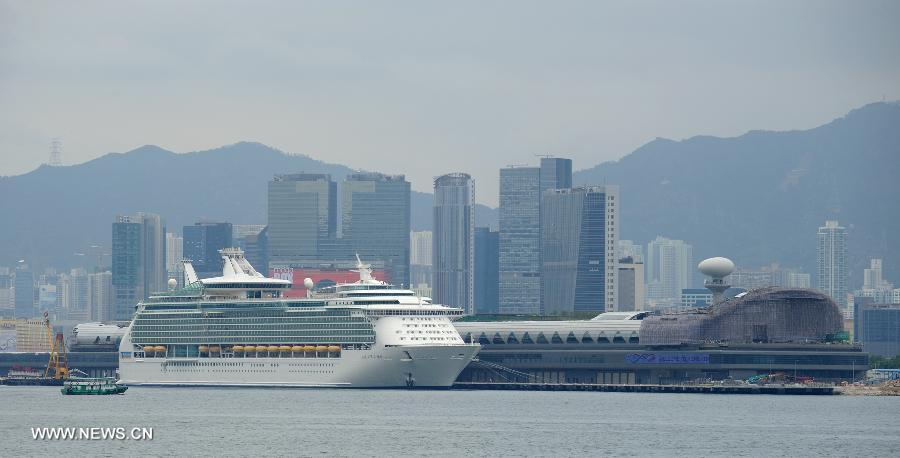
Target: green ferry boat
x=95 y=386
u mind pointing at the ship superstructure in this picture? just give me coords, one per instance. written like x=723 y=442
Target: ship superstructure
x=240 y=330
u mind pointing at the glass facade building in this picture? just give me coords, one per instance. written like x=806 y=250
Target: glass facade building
x=520 y=240
x=578 y=240
x=375 y=222
x=302 y=212
x=878 y=328
x=24 y=298
x=453 y=242
x=138 y=261
x=487 y=271
x=201 y=244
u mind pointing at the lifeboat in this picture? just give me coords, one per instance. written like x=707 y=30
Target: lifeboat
x=260 y=348
x=159 y=349
x=238 y=348
x=284 y=348
x=273 y=348
x=203 y=349
x=334 y=349
x=214 y=349
x=309 y=348
x=297 y=348
x=321 y=348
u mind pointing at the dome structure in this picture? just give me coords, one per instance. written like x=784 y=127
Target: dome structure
x=717 y=267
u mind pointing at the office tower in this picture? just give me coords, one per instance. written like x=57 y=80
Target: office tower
x=102 y=296
x=487 y=271
x=252 y=239
x=202 y=243
x=669 y=269
x=556 y=173
x=24 y=292
x=7 y=307
x=579 y=243
x=174 y=256
x=631 y=284
x=454 y=241
x=520 y=230
x=302 y=212
x=375 y=223
x=832 y=261
x=420 y=265
x=138 y=260
x=629 y=249
x=520 y=240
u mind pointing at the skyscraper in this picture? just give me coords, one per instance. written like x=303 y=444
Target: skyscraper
x=302 y=213
x=24 y=292
x=873 y=277
x=579 y=239
x=669 y=269
x=138 y=260
x=174 y=256
x=556 y=173
x=202 y=243
x=831 y=267
x=252 y=239
x=487 y=271
x=420 y=261
x=520 y=240
x=102 y=297
x=375 y=222
x=454 y=241
x=520 y=230
x=631 y=284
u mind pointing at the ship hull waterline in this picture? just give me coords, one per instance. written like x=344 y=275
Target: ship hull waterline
x=418 y=366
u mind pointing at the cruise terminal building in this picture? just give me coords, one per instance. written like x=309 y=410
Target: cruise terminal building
x=789 y=330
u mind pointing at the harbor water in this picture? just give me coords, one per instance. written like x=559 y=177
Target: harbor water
x=311 y=422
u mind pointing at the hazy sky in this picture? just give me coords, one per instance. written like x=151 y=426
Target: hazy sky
x=426 y=88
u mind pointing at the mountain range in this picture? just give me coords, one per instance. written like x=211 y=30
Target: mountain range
x=757 y=198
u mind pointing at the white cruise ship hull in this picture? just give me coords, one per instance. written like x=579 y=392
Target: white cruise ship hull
x=419 y=366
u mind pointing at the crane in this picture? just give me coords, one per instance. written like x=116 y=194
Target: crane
x=58 y=361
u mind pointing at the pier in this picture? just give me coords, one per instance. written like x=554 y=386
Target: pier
x=705 y=389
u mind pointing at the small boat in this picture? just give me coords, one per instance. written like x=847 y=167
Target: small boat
x=96 y=386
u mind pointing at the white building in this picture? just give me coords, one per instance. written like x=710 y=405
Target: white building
x=102 y=296
x=669 y=269
x=831 y=267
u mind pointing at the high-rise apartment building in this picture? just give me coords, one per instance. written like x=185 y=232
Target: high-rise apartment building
x=629 y=249
x=487 y=271
x=831 y=267
x=302 y=213
x=375 y=223
x=453 y=241
x=873 y=277
x=174 y=256
x=420 y=261
x=669 y=269
x=579 y=239
x=7 y=306
x=202 y=243
x=138 y=260
x=78 y=295
x=102 y=296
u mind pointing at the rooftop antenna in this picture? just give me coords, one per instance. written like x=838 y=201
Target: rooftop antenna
x=55 y=153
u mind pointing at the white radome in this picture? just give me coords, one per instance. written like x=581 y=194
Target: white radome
x=308 y=283
x=717 y=267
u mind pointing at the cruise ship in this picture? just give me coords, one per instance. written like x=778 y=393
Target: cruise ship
x=241 y=330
